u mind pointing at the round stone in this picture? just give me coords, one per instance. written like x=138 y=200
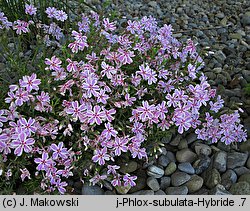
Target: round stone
x=245 y=178
x=160 y=192
x=240 y=188
x=123 y=189
x=165 y=182
x=92 y=190
x=186 y=167
x=212 y=178
x=202 y=149
x=155 y=171
x=185 y=155
x=179 y=178
x=228 y=178
x=202 y=164
x=163 y=160
x=236 y=159
x=194 y=184
x=128 y=167
x=183 y=190
x=220 y=161
x=170 y=169
x=153 y=183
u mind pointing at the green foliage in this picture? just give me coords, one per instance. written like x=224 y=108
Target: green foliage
x=247 y=89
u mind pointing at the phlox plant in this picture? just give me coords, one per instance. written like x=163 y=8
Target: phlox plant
x=107 y=94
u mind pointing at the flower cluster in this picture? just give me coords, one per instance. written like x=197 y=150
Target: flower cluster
x=107 y=98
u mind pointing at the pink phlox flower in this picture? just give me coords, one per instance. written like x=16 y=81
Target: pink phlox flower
x=97 y=179
x=145 y=71
x=72 y=66
x=129 y=180
x=162 y=110
x=90 y=85
x=60 y=15
x=92 y=57
x=108 y=114
x=22 y=143
x=21 y=96
x=217 y=105
x=30 y=9
x=67 y=86
x=120 y=145
x=25 y=173
x=43 y=162
x=102 y=97
x=29 y=126
x=133 y=26
x=138 y=128
x=21 y=26
x=101 y=156
x=30 y=82
x=192 y=71
x=51 y=12
x=96 y=115
x=59 y=74
x=146 y=111
x=2 y=118
x=108 y=70
x=59 y=151
x=76 y=110
x=129 y=100
x=112 y=169
x=183 y=123
x=60 y=186
x=125 y=56
x=135 y=80
x=109 y=131
x=54 y=63
x=108 y=26
x=117 y=180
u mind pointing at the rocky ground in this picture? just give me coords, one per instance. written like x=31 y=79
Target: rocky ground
x=188 y=166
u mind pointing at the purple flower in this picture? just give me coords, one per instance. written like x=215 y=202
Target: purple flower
x=108 y=70
x=25 y=173
x=95 y=116
x=2 y=118
x=129 y=180
x=112 y=169
x=161 y=109
x=51 y=12
x=101 y=156
x=30 y=82
x=54 y=63
x=108 y=114
x=97 y=178
x=108 y=26
x=30 y=9
x=117 y=180
x=43 y=162
x=22 y=143
x=60 y=15
x=28 y=126
x=109 y=131
x=124 y=56
x=59 y=151
x=76 y=111
x=184 y=123
x=102 y=97
x=91 y=87
x=120 y=145
x=60 y=186
x=146 y=111
x=21 y=27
